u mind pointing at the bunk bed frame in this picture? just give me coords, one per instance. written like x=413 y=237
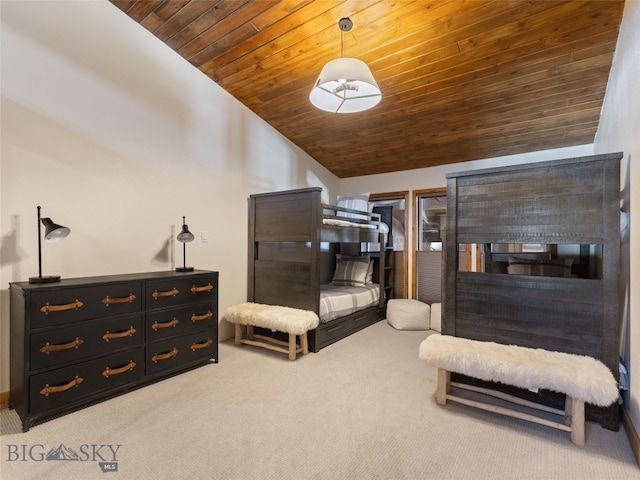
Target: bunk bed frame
x=287 y=264
x=575 y=202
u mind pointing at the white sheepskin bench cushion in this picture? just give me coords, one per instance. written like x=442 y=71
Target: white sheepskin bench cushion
x=274 y=317
x=581 y=377
x=405 y=314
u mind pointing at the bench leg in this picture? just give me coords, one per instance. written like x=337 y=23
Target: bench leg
x=444 y=379
x=574 y=409
x=305 y=343
x=238 y=333
x=292 y=346
x=250 y=332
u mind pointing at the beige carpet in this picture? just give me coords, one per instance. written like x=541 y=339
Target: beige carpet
x=363 y=408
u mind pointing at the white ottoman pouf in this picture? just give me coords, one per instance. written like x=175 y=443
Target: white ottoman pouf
x=404 y=314
x=436 y=317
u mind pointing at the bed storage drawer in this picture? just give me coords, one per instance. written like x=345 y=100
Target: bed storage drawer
x=79 y=341
x=364 y=318
x=330 y=332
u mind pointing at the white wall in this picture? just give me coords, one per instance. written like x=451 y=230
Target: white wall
x=117 y=137
x=619 y=130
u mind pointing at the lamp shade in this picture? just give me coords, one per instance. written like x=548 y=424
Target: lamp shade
x=345 y=85
x=54 y=232
x=185 y=236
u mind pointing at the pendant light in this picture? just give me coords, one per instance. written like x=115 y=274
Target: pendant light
x=345 y=85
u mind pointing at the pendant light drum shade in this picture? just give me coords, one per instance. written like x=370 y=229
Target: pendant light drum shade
x=345 y=85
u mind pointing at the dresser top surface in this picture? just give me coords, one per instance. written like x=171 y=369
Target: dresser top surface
x=104 y=279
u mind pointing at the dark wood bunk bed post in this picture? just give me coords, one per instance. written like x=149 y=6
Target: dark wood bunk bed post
x=296 y=216
x=574 y=202
x=293 y=216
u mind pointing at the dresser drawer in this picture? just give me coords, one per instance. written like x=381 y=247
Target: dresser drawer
x=179 y=291
x=59 y=306
x=65 y=386
x=180 y=321
x=180 y=352
x=56 y=346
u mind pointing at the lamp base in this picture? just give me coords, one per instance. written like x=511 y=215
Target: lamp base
x=48 y=279
x=184 y=269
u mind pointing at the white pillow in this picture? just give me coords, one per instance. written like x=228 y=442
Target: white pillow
x=351 y=271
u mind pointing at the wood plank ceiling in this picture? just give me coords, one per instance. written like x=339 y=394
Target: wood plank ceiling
x=461 y=80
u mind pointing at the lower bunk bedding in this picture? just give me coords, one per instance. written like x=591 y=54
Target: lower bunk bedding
x=339 y=301
x=344 y=310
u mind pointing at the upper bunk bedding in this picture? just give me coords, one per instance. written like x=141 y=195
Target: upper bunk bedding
x=353 y=212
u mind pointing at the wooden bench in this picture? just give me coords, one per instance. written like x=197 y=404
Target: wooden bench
x=289 y=320
x=582 y=379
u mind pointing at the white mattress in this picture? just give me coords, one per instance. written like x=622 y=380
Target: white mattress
x=338 y=301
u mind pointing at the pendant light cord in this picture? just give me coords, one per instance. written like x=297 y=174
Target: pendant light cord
x=345 y=25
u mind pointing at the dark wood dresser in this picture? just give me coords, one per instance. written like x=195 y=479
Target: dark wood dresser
x=83 y=340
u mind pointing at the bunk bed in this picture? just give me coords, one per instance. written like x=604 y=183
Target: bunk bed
x=306 y=254
x=563 y=303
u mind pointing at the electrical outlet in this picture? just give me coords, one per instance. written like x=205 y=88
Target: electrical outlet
x=204 y=237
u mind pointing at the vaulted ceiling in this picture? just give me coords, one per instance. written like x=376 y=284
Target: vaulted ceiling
x=461 y=80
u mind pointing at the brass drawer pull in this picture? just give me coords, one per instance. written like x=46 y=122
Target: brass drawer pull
x=126 y=333
x=195 y=318
x=169 y=293
x=172 y=323
x=73 y=383
x=61 y=308
x=117 y=371
x=205 y=288
x=110 y=300
x=196 y=346
x=164 y=356
x=48 y=348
